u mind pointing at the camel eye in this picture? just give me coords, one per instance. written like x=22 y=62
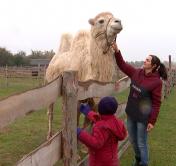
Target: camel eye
x=101 y=21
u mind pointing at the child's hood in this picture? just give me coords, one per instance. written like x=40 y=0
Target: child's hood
x=116 y=127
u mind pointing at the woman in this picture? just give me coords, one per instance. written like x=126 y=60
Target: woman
x=144 y=101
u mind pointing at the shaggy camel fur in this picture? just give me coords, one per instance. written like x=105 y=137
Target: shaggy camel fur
x=89 y=51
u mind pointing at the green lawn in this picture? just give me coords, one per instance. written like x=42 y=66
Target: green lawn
x=162 y=139
x=122 y=97
x=16 y=85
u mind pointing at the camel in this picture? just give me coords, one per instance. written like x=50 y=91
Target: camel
x=89 y=52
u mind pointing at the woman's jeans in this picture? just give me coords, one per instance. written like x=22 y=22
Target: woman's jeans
x=138 y=138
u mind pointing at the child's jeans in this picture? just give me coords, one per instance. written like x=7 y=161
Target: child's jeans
x=138 y=138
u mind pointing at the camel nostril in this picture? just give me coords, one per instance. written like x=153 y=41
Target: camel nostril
x=117 y=21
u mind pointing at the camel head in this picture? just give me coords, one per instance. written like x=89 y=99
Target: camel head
x=104 y=29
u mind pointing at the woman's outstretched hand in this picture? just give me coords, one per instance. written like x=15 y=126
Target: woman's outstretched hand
x=114 y=46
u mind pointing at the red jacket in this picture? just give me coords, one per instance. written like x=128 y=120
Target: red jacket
x=103 y=141
x=141 y=84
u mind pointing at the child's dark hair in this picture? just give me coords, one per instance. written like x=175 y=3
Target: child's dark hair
x=160 y=67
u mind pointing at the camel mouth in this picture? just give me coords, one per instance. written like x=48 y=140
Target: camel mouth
x=117 y=29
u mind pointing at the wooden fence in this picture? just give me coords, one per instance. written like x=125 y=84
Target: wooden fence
x=62 y=145
x=9 y=73
x=24 y=72
x=171 y=82
x=21 y=72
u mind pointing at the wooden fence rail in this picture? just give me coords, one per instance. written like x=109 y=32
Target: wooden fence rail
x=46 y=154
x=21 y=72
x=21 y=104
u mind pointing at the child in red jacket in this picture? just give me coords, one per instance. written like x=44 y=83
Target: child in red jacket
x=106 y=132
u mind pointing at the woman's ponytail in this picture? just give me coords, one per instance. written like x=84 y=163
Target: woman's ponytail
x=160 y=67
x=162 y=71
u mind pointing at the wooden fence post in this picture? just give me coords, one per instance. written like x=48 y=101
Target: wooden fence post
x=170 y=62
x=69 y=137
x=44 y=73
x=174 y=76
x=6 y=75
x=169 y=78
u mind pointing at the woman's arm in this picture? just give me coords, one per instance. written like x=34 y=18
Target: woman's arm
x=125 y=67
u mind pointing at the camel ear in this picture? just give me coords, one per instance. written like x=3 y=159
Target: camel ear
x=91 y=21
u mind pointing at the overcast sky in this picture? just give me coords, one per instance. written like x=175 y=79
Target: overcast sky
x=149 y=26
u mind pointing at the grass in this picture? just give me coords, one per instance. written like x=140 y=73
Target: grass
x=162 y=139
x=122 y=96
x=16 y=85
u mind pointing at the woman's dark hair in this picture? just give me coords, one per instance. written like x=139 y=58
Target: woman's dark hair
x=160 y=67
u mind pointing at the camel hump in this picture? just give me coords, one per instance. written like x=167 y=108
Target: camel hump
x=65 y=42
x=81 y=39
